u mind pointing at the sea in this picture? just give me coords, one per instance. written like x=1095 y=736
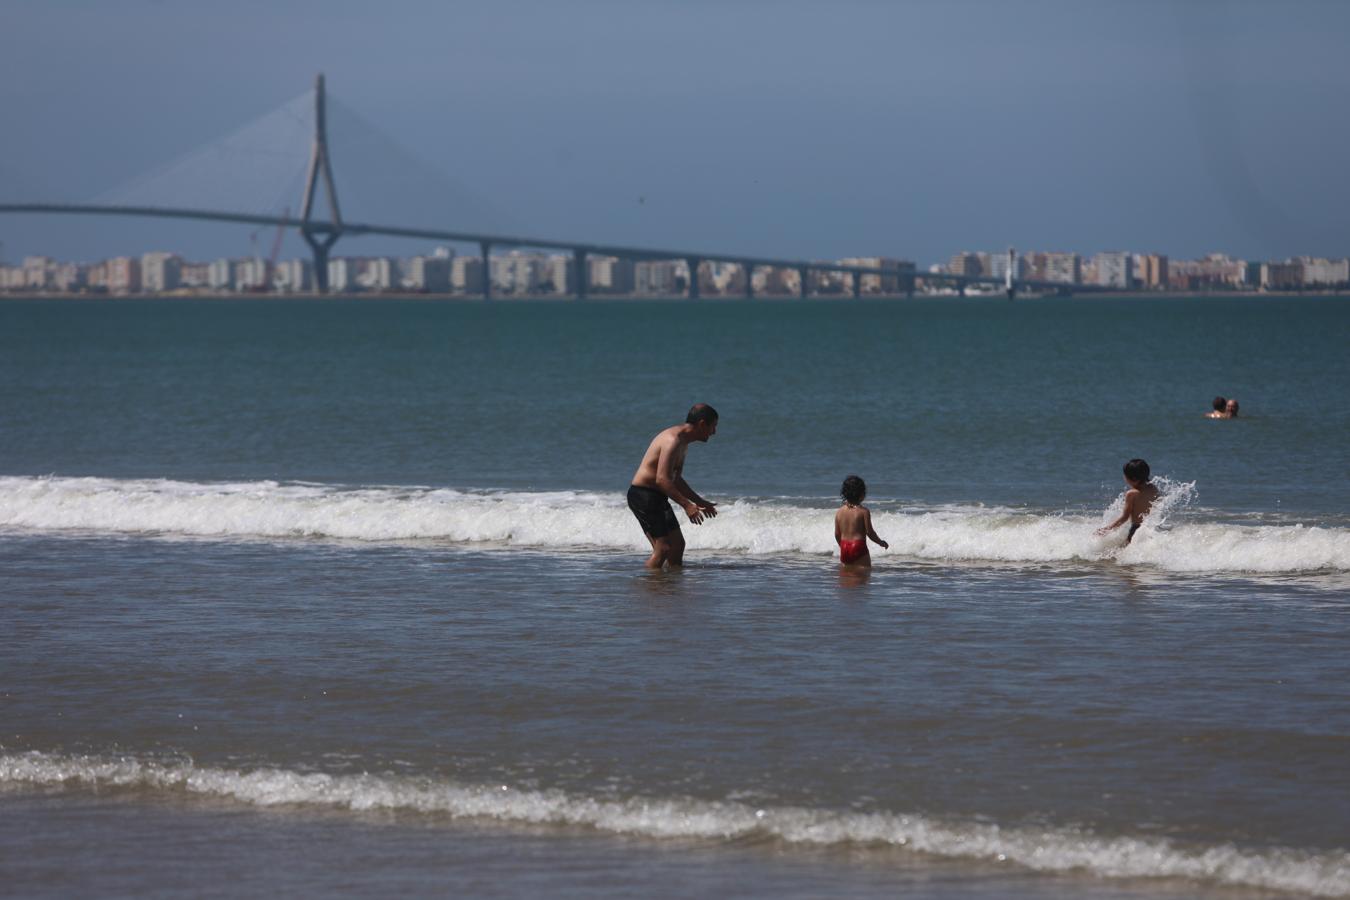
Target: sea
x=341 y=597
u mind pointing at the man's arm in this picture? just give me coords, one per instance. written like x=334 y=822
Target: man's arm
x=669 y=483
x=708 y=507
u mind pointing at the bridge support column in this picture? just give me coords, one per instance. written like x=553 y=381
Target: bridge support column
x=320 y=166
x=803 y=285
x=318 y=248
x=583 y=277
x=749 y=280
x=694 y=264
x=485 y=254
x=961 y=288
x=857 y=285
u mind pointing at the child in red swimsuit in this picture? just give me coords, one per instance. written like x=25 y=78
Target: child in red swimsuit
x=853 y=525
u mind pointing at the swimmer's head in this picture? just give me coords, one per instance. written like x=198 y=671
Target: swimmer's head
x=853 y=490
x=1232 y=409
x=1220 y=404
x=1136 y=471
x=704 y=419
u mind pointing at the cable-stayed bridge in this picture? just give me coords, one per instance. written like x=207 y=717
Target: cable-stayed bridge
x=223 y=182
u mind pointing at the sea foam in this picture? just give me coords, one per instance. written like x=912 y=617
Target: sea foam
x=1047 y=849
x=581 y=520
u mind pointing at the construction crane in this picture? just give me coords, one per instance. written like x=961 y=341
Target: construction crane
x=269 y=271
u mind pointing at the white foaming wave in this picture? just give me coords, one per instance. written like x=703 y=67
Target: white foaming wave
x=1325 y=874
x=577 y=520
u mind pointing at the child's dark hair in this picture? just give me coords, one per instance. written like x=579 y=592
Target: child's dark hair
x=1137 y=470
x=1220 y=404
x=853 y=489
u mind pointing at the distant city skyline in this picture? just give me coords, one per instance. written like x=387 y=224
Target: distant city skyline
x=526 y=273
x=789 y=129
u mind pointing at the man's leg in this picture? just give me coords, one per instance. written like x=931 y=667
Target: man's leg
x=660 y=552
x=676 y=542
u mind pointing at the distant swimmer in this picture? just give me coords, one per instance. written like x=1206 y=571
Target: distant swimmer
x=661 y=476
x=1220 y=410
x=1232 y=410
x=1138 y=499
x=853 y=525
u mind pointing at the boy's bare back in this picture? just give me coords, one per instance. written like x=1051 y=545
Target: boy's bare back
x=1139 y=502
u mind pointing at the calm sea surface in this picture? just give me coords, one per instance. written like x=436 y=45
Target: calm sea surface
x=324 y=597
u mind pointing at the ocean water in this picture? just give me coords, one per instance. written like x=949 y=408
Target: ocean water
x=339 y=596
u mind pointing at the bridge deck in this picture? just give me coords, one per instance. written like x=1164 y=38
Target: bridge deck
x=502 y=240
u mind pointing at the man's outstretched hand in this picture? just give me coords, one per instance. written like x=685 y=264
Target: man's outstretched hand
x=694 y=513
x=709 y=509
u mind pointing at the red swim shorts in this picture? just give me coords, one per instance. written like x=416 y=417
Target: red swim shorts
x=852 y=551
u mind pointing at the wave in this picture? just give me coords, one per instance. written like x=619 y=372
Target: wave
x=1324 y=873
x=581 y=520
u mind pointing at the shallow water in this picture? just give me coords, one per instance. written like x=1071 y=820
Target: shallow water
x=356 y=580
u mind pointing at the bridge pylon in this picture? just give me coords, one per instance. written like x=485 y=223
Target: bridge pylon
x=321 y=236
x=1008 y=287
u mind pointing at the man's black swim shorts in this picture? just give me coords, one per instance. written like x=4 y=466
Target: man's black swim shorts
x=652 y=510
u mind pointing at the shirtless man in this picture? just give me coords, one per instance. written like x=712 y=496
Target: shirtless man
x=661 y=475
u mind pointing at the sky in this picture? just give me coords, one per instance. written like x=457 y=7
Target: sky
x=786 y=129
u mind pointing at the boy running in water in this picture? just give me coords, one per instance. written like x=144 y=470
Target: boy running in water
x=853 y=524
x=1138 y=499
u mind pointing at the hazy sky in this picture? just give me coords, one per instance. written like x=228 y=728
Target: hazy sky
x=778 y=128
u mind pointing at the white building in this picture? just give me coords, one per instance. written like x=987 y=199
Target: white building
x=998 y=265
x=967 y=263
x=1114 y=269
x=879 y=284
x=517 y=272
x=342 y=275
x=555 y=274
x=160 y=272
x=428 y=274
x=1215 y=270
x=68 y=277
x=96 y=277
x=124 y=275
x=1318 y=272
x=37 y=272
x=658 y=276
x=252 y=274
x=11 y=278
x=195 y=275
x=292 y=276
x=378 y=273
x=610 y=275
x=1063 y=268
x=466 y=275
x=1285 y=276
x=220 y=275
